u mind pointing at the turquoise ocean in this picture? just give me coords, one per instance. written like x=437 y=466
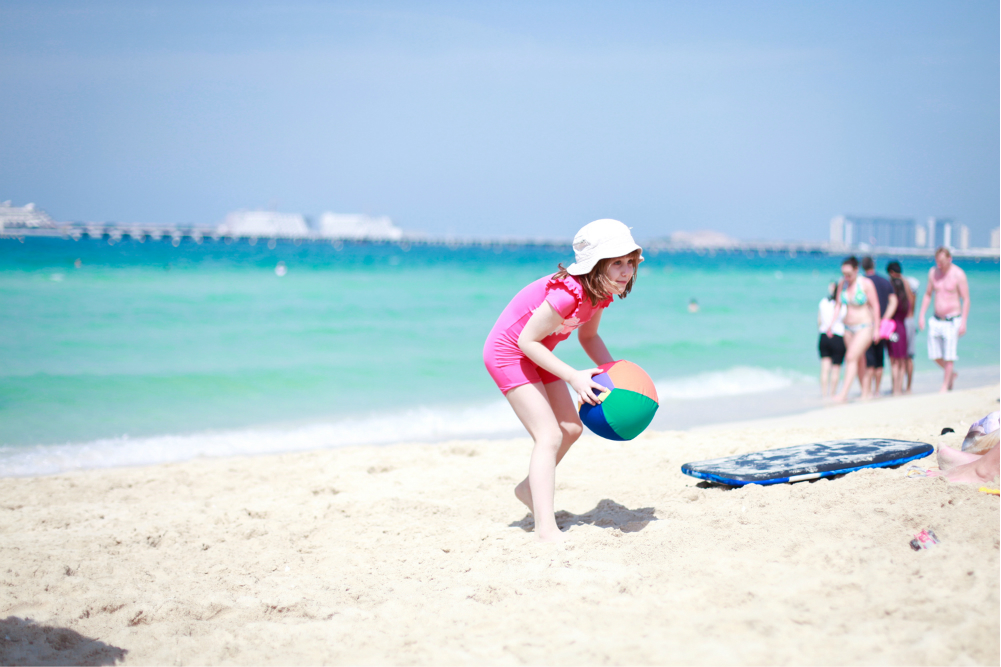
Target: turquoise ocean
x=128 y=352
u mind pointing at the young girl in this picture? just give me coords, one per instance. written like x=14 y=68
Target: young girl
x=519 y=353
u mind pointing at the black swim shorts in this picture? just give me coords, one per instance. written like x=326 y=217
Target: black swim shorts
x=874 y=355
x=833 y=347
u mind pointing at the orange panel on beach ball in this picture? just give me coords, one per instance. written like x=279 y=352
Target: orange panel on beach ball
x=628 y=374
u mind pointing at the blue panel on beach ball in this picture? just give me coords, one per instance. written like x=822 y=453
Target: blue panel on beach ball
x=594 y=418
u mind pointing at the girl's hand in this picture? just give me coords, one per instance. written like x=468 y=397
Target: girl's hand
x=875 y=334
x=585 y=386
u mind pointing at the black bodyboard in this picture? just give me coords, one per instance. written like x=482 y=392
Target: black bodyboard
x=805 y=462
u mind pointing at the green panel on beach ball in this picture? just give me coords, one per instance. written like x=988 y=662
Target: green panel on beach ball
x=628 y=413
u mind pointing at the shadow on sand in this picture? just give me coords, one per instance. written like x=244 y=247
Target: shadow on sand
x=606 y=514
x=24 y=642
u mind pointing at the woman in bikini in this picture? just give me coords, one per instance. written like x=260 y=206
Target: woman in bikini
x=859 y=294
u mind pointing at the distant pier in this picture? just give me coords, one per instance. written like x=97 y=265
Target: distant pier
x=197 y=234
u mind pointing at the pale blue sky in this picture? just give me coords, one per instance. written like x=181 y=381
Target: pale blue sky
x=759 y=119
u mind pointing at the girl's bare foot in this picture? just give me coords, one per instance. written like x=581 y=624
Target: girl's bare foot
x=551 y=536
x=524 y=493
x=980 y=470
x=949 y=458
x=971 y=473
x=974 y=472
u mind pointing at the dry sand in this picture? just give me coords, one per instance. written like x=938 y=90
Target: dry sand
x=418 y=554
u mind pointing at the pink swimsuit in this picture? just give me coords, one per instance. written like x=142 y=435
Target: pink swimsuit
x=506 y=363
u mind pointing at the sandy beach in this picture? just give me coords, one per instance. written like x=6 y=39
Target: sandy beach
x=420 y=554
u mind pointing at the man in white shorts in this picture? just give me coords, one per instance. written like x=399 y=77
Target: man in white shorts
x=952 y=307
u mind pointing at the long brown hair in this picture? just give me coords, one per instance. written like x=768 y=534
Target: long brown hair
x=597 y=286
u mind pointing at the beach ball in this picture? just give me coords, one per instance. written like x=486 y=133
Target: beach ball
x=628 y=403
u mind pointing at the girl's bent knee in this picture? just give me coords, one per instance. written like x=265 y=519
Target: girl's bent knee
x=572 y=431
x=550 y=441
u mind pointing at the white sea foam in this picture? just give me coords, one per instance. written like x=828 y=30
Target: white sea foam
x=489 y=420
x=421 y=424
x=733 y=382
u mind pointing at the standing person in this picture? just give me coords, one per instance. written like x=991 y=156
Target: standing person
x=898 y=348
x=952 y=308
x=518 y=353
x=831 y=322
x=911 y=327
x=902 y=351
x=887 y=305
x=861 y=322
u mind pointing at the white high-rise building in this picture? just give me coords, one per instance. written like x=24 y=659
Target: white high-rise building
x=853 y=230
x=962 y=237
x=947 y=234
x=838 y=231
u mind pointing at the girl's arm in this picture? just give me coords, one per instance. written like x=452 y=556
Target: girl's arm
x=910 y=299
x=543 y=322
x=589 y=339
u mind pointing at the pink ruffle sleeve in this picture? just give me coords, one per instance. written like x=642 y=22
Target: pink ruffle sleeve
x=565 y=295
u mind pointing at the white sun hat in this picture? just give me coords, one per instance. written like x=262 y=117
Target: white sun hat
x=599 y=240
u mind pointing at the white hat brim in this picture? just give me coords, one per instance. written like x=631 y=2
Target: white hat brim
x=616 y=248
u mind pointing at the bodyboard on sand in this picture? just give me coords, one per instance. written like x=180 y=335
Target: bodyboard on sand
x=804 y=462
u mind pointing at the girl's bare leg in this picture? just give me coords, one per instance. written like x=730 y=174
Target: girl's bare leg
x=856 y=344
x=548 y=414
x=566 y=414
x=825 y=374
x=835 y=374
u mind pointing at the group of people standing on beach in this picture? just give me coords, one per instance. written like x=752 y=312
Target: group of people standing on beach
x=864 y=316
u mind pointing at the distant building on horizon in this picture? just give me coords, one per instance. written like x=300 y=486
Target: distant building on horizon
x=23 y=217
x=849 y=231
x=347 y=226
x=263 y=223
x=356 y=226
x=704 y=238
